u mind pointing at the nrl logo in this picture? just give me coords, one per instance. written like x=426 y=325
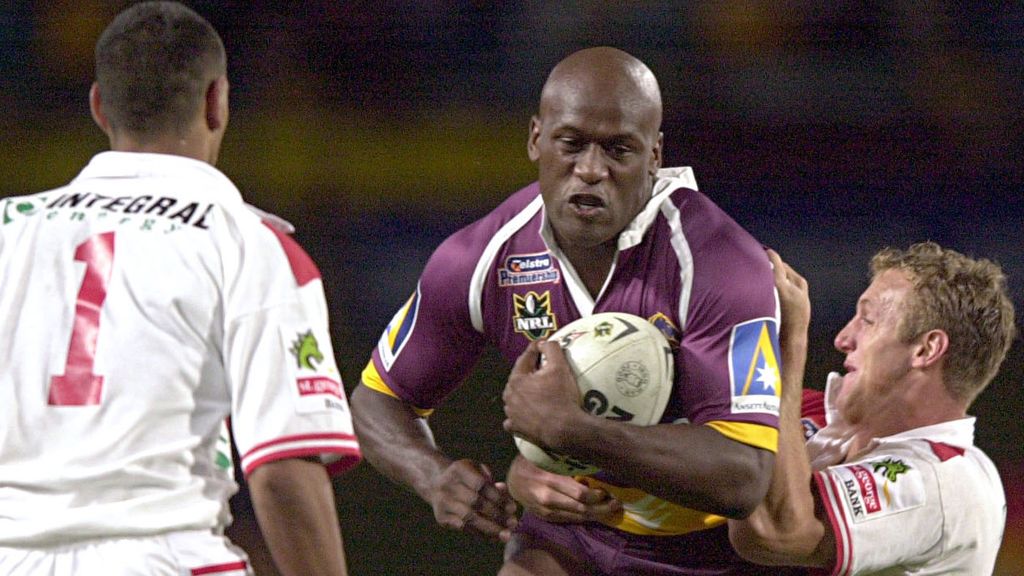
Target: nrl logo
x=306 y=349
x=533 y=317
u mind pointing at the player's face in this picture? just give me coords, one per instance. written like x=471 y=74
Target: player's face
x=876 y=359
x=596 y=153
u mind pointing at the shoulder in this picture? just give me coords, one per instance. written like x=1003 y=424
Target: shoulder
x=462 y=251
x=262 y=243
x=719 y=253
x=708 y=226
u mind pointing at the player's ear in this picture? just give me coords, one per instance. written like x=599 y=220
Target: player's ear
x=96 y=107
x=931 y=347
x=656 y=154
x=531 y=140
x=217 y=104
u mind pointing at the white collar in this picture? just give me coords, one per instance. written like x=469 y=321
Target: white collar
x=831 y=444
x=667 y=180
x=113 y=164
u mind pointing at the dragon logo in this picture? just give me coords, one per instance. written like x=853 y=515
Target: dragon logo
x=306 y=350
x=890 y=468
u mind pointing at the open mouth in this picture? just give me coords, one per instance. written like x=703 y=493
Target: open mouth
x=586 y=203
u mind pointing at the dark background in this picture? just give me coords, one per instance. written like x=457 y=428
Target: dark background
x=829 y=130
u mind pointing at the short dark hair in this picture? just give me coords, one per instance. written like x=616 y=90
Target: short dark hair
x=154 y=63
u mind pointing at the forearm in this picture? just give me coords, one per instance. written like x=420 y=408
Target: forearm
x=783 y=529
x=294 y=504
x=693 y=466
x=397 y=441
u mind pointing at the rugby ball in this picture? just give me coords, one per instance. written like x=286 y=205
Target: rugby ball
x=624 y=368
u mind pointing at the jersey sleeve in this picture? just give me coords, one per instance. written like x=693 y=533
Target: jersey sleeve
x=729 y=352
x=287 y=394
x=430 y=345
x=873 y=505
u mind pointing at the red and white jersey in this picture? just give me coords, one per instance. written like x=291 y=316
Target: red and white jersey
x=923 y=502
x=141 y=306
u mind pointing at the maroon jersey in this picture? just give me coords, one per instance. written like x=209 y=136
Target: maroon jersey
x=682 y=263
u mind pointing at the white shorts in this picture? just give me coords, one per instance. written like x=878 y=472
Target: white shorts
x=186 y=553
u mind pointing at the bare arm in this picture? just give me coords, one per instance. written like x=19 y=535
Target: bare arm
x=694 y=466
x=399 y=444
x=784 y=530
x=294 y=504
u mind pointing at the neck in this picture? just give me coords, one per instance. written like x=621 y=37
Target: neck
x=189 y=145
x=924 y=404
x=592 y=265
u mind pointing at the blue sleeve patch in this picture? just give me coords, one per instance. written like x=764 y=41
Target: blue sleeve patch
x=754 y=367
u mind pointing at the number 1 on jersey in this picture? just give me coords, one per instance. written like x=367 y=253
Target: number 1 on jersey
x=79 y=386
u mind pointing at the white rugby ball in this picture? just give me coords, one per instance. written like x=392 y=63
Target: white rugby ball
x=624 y=368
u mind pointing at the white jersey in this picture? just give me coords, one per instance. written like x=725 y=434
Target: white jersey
x=141 y=306
x=923 y=502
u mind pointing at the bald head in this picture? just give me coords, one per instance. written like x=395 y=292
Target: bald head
x=601 y=74
x=597 y=144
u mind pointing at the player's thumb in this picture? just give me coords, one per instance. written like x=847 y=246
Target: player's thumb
x=528 y=360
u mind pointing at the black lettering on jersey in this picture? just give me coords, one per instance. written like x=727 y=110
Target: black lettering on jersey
x=72 y=200
x=116 y=203
x=201 y=222
x=96 y=198
x=161 y=206
x=854 y=497
x=136 y=205
x=185 y=213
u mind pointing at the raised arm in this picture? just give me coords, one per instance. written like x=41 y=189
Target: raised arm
x=783 y=529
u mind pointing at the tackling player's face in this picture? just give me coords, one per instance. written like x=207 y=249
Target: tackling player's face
x=877 y=360
x=597 y=151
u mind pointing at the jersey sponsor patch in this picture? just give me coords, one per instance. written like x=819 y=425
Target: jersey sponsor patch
x=754 y=367
x=319 y=394
x=175 y=210
x=316 y=392
x=532 y=315
x=877 y=488
x=306 y=350
x=15 y=208
x=524 y=269
x=397 y=332
x=318 y=385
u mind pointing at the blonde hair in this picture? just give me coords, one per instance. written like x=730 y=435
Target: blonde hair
x=964 y=297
